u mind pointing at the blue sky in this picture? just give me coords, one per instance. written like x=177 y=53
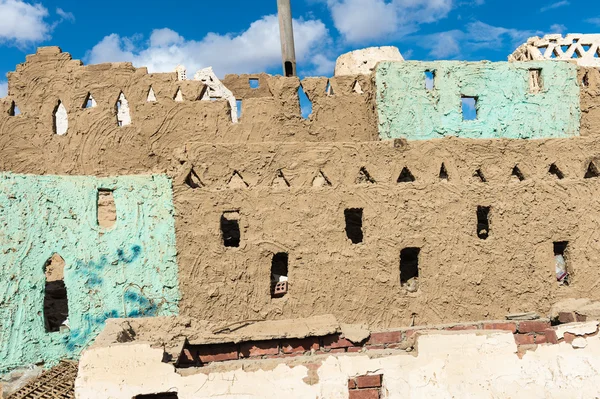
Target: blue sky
x=242 y=36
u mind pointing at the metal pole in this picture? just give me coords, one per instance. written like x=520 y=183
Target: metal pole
x=286 y=30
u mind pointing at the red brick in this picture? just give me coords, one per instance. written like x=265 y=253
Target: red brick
x=281 y=355
x=390 y=337
x=355 y=349
x=351 y=384
x=512 y=327
x=369 y=381
x=258 y=348
x=364 y=394
x=550 y=335
x=335 y=341
x=580 y=317
x=188 y=355
x=569 y=337
x=410 y=333
x=217 y=353
x=566 y=317
x=338 y=350
x=374 y=347
x=300 y=345
x=524 y=339
x=461 y=328
x=533 y=326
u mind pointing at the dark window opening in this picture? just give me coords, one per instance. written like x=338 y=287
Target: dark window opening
x=516 y=172
x=56 y=305
x=305 y=103
x=483 y=224
x=469 y=108
x=364 y=176
x=254 y=83
x=289 y=69
x=106 y=208
x=405 y=176
x=163 y=395
x=443 y=173
x=279 y=275
x=560 y=262
x=536 y=84
x=193 y=180
x=429 y=80
x=555 y=171
x=14 y=110
x=354 y=219
x=585 y=81
x=592 y=171
x=479 y=175
x=230 y=228
x=409 y=265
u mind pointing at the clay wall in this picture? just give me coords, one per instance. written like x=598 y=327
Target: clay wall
x=288 y=181
x=461 y=276
x=126 y=270
x=270 y=113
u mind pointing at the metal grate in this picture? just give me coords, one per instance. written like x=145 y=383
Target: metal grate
x=56 y=383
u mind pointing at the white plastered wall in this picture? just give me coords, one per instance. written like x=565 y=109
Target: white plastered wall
x=459 y=365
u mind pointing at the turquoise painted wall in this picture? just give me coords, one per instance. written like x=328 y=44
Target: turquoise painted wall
x=129 y=270
x=506 y=108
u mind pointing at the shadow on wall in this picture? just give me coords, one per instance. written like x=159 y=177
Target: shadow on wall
x=73 y=261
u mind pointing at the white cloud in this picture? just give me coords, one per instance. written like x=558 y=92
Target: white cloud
x=557 y=4
x=593 y=21
x=66 y=16
x=3 y=89
x=558 y=28
x=477 y=36
x=362 y=21
x=22 y=23
x=254 y=50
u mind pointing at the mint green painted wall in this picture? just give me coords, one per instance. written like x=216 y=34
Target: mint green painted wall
x=506 y=108
x=127 y=270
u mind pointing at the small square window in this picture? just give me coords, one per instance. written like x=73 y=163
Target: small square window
x=469 y=108
x=429 y=80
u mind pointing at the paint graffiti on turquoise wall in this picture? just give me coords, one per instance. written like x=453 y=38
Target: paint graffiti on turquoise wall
x=506 y=106
x=129 y=270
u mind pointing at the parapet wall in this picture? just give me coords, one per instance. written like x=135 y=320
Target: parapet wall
x=269 y=113
x=510 y=100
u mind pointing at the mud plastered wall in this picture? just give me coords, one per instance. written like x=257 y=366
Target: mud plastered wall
x=461 y=276
x=128 y=270
x=269 y=113
x=508 y=103
x=589 y=81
